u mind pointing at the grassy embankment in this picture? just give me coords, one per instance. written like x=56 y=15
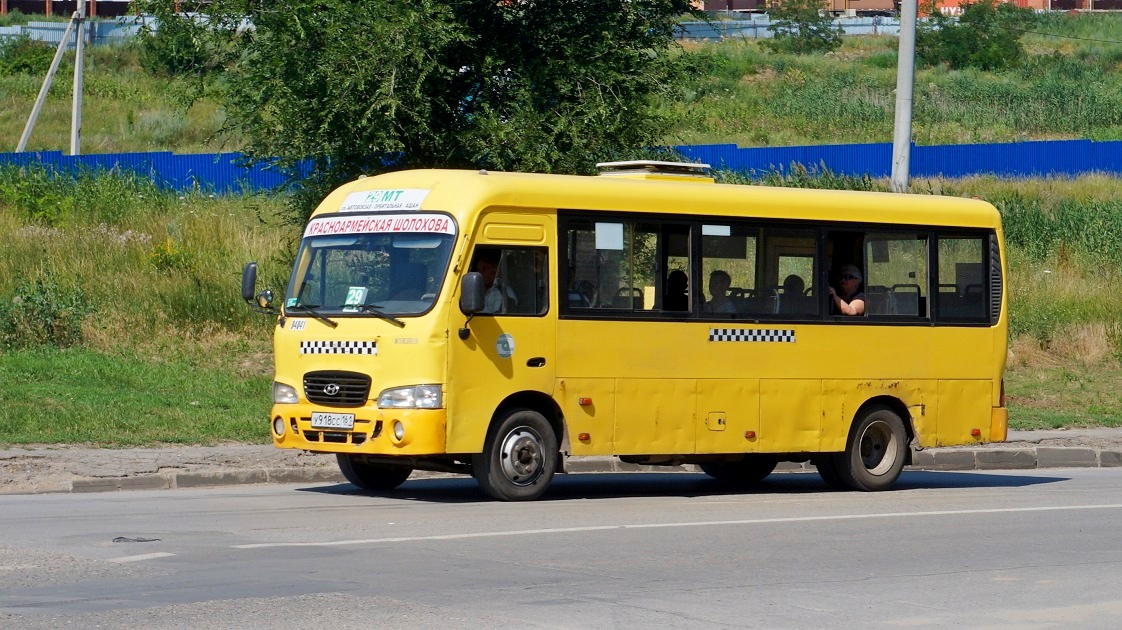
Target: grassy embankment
x=159 y=273
x=124 y=109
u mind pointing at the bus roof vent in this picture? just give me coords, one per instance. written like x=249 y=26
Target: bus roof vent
x=651 y=169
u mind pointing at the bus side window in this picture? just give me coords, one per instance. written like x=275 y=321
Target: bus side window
x=896 y=274
x=728 y=251
x=961 y=273
x=609 y=267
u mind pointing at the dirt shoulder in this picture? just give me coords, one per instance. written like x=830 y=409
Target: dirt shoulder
x=50 y=468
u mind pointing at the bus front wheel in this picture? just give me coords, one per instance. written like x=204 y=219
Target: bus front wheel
x=372 y=476
x=518 y=458
x=875 y=452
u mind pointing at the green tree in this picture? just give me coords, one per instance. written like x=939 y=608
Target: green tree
x=361 y=87
x=987 y=35
x=802 y=27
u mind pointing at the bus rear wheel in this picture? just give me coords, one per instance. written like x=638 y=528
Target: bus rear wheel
x=518 y=458
x=372 y=476
x=750 y=470
x=875 y=453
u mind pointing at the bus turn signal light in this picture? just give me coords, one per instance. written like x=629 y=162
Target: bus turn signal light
x=749 y=435
x=975 y=432
x=584 y=437
x=584 y=402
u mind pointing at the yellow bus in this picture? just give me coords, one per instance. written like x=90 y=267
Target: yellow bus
x=497 y=324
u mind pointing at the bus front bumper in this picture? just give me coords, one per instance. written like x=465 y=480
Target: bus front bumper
x=405 y=432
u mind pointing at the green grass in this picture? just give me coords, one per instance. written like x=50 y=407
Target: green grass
x=1063 y=396
x=83 y=396
x=124 y=109
x=1065 y=88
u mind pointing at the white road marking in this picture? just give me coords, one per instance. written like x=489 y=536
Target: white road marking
x=757 y=521
x=143 y=556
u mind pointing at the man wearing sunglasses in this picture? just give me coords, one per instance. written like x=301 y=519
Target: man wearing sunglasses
x=848 y=299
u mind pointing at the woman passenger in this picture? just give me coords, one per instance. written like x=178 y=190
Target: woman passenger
x=848 y=299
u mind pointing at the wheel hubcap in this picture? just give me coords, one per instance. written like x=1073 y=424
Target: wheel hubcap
x=878 y=448
x=521 y=456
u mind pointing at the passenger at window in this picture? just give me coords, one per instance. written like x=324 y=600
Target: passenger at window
x=793 y=285
x=676 y=298
x=848 y=299
x=719 y=302
x=497 y=298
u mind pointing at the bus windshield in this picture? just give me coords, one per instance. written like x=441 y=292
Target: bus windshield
x=363 y=265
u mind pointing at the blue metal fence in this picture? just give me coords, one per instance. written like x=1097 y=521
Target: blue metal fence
x=211 y=172
x=1019 y=159
x=232 y=172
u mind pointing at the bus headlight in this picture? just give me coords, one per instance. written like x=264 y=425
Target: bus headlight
x=413 y=397
x=284 y=394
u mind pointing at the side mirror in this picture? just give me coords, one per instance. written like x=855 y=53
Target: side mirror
x=471 y=293
x=249 y=281
x=265 y=299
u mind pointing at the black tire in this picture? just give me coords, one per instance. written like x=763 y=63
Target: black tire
x=518 y=458
x=746 y=472
x=875 y=452
x=373 y=477
x=828 y=471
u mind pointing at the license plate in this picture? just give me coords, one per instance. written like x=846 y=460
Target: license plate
x=322 y=420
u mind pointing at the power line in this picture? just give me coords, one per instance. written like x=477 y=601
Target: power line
x=1086 y=39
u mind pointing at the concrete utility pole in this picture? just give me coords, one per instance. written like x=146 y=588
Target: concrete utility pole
x=79 y=62
x=35 y=109
x=905 y=85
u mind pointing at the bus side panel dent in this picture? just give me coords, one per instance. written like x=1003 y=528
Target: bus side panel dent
x=790 y=415
x=963 y=405
x=842 y=399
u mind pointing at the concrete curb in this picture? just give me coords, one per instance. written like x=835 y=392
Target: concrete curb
x=939 y=459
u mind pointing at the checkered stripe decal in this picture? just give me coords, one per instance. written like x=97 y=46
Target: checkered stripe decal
x=338 y=347
x=751 y=334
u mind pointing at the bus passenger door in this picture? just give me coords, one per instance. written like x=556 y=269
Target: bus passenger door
x=512 y=346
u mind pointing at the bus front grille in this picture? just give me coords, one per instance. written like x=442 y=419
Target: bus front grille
x=337 y=389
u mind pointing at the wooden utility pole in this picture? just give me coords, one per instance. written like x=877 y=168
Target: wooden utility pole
x=3 y=7
x=50 y=8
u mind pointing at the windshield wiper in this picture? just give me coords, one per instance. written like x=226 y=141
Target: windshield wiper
x=377 y=312
x=311 y=310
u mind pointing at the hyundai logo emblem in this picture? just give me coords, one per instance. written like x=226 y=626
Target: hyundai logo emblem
x=331 y=389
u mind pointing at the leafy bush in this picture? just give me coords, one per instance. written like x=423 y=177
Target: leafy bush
x=14 y=17
x=88 y=196
x=42 y=313
x=23 y=55
x=802 y=27
x=986 y=36
x=179 y=45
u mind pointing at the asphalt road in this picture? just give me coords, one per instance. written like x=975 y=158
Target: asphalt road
x=1025 y=549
